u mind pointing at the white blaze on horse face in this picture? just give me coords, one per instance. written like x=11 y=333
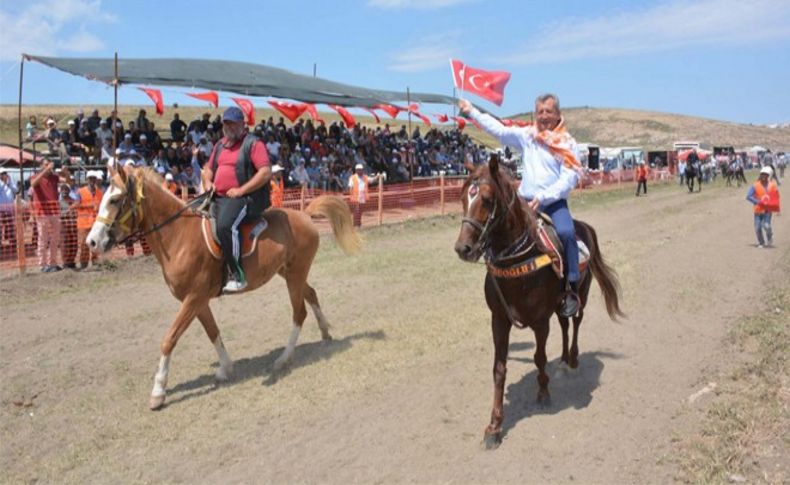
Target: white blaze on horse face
x=98 y=239
x=471 y=196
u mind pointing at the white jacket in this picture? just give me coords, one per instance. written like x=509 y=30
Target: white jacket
x=544 y=178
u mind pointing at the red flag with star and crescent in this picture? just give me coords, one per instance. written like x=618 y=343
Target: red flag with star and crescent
x=210 y=96
x=156 y=97
x=350 y=121
x=289 y=110
x=247 y=108
x=488 y=85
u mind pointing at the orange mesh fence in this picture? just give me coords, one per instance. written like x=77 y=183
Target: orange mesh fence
x=38 y=236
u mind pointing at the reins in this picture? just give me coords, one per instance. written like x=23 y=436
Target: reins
x=513 y=252
x=136 y=209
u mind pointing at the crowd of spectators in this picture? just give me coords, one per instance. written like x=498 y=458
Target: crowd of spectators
x=316 y=155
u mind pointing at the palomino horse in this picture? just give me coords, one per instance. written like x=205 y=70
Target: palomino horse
x=136 y=203
x=521 y=289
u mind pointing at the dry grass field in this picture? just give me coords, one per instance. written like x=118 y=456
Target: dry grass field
x=404 y=391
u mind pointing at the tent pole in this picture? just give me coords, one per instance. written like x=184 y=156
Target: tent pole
x=115 y=108
x=408 y=136
x=19 y=113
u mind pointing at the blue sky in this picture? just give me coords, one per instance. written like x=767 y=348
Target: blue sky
x=719 y=59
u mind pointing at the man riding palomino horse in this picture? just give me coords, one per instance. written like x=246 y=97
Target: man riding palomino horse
x=551 y=171
x=239 y=171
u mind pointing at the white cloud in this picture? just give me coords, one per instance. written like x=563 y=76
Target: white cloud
x=416 y=4
x=432 y=52
x=674 y=25
x=50 y=27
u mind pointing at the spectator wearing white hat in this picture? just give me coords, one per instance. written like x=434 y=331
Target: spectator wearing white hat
x=359 y=191
x=7 y=228
x=126 y=145
x=89 y=200
x=68 y=226
x=764 y=196
x=170 y=184
x=55 y=140
x=277 y=185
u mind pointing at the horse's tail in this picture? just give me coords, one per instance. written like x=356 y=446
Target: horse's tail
x=606 y=277
x=337 y=212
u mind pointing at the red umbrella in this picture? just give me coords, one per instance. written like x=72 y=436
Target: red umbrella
x=701 y=154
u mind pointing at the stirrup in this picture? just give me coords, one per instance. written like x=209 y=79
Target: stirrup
x=575 y=298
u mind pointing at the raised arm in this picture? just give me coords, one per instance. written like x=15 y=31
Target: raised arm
x=510 y=136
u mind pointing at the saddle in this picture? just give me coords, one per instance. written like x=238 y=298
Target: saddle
x=552 y=254
x=249 y=233
x=553 y=246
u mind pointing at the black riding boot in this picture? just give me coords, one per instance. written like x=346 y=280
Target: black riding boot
x=570 y=306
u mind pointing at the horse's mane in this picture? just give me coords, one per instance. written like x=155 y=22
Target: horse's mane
x=519 y=216
x=150 y=175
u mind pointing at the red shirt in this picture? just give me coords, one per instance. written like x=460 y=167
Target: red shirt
x=225 y=175
x=45 y=195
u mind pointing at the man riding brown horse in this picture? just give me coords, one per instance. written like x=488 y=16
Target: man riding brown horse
x=238 y=171
x=551 y=171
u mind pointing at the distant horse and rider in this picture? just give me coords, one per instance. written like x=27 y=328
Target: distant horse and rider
x=523 y=286
x=136 y=204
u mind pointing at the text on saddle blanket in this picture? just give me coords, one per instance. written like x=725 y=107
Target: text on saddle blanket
x=549 y=239
x=249 y=233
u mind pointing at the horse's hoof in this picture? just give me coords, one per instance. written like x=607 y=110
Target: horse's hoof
x=223 y=375
x=544 y=401
x=491 y=441
x=279 y=364
x=156 y=402
x=326 y=338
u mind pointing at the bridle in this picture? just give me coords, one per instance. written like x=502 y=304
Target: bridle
x=133 y=215
x=483 y=241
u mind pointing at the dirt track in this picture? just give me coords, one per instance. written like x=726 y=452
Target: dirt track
x=404 y=391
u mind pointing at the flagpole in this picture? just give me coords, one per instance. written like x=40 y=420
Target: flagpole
x=408 y=145
x=115 y=110
x=21 y=159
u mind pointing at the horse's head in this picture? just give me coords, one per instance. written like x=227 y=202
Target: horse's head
x=484 y=208
x=120 y=212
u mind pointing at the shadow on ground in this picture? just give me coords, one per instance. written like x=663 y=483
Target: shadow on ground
x=263 y=366
x=569 y=389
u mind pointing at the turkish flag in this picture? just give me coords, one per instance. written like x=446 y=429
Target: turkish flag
x=413 y=108
x=488 y=85
x=461 y=122
x=310 y=108
x=248 y=109
x=289 y=110
x=442 y=118
x=210 y=96
x=343 y=112
x=390 y=109
x=156 y=97
x=373 y=113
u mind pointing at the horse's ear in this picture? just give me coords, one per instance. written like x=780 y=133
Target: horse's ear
x=493 y=165
x=469 y=167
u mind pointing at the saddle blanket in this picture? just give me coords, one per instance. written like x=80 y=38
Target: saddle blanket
x=249 y=233
x=548 y=237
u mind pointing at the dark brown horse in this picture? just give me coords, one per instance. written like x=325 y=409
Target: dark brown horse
x=527 y=292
